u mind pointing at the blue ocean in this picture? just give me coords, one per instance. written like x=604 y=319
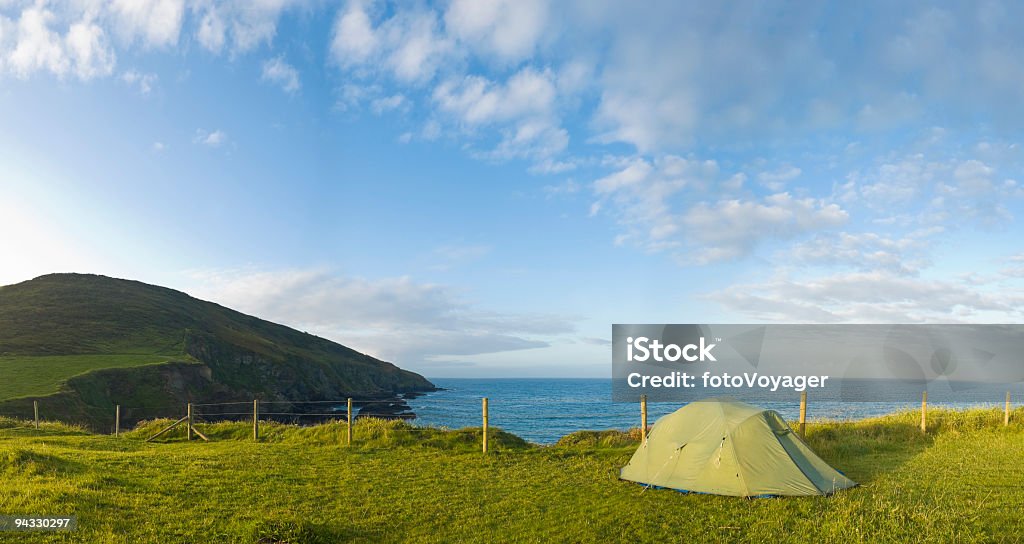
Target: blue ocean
x=543 y=410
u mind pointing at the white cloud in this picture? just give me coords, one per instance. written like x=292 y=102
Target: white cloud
x=508 y=29
x=973 y=176
x=431 y=130
x=352 y=96
x=674 y=75
x=641 y=193
x=394 y=318
x=648 y=123
x=1015 y=266
x=523 y=108
x=355 y=40
x=550 y=165
x=212 y=30
x=72 y=37
x=144 y=82
x=734 y=183
x=277 y=71
x=567 y=187
x=31 y=44
x=388 y=103
x=678 y=72
x=36 y=45
x=777 y=180
x=157 y=23
x=896 y=183
x=418 y=49
x=663 y=76
x=88 y=50
x=860 y=297
x=946 y=191
x=476 y=100
x=961 y=52
x=241 y=25
x=633 y=175
x=658 y=205
x=412 y=47
x=865 y=251
x=215 y=138
x=409 y=46
x=159 y=147
x=730 y=229
x=536 y=138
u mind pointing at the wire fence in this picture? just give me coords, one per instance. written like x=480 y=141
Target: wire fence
x=350 y=410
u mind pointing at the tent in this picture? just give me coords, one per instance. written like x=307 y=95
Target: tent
x=727 y=447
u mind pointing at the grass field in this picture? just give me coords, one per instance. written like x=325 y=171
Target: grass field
x=964 y=482
x=25 y=376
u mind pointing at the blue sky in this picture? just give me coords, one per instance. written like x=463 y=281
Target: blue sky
x=481 y=188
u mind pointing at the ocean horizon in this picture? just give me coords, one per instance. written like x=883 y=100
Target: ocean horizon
x=542 y=410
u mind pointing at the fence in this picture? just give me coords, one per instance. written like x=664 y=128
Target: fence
x=264 y=411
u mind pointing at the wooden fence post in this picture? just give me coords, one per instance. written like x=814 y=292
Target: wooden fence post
x=643 y=419
x=924 y=411
x=255 y=420
x=349 y=421
x=35 y=410
x=1006 y=414
x=167 y=428
x=117 y=420
x=485 y=424
x=803 y=414
x=188 y=414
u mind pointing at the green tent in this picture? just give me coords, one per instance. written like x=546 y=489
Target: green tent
x=726 y=447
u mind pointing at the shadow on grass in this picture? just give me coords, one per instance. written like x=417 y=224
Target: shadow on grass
x=865 y=451
x=304 y=532
x=21 y=462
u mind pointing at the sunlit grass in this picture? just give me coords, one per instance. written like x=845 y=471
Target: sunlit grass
x=959 y=483
x=25 y=376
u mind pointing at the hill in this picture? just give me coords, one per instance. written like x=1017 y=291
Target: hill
x=87 y=342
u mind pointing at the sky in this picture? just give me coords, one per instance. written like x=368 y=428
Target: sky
x=483 y=187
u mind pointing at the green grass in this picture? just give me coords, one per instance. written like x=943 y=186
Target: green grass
x=960 y=483
x=26 y=376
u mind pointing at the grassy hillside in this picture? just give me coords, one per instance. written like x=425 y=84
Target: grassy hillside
x=961 y=483
x=86 y=335
x=43 y=375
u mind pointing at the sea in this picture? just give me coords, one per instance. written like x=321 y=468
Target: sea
x=544 y=410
